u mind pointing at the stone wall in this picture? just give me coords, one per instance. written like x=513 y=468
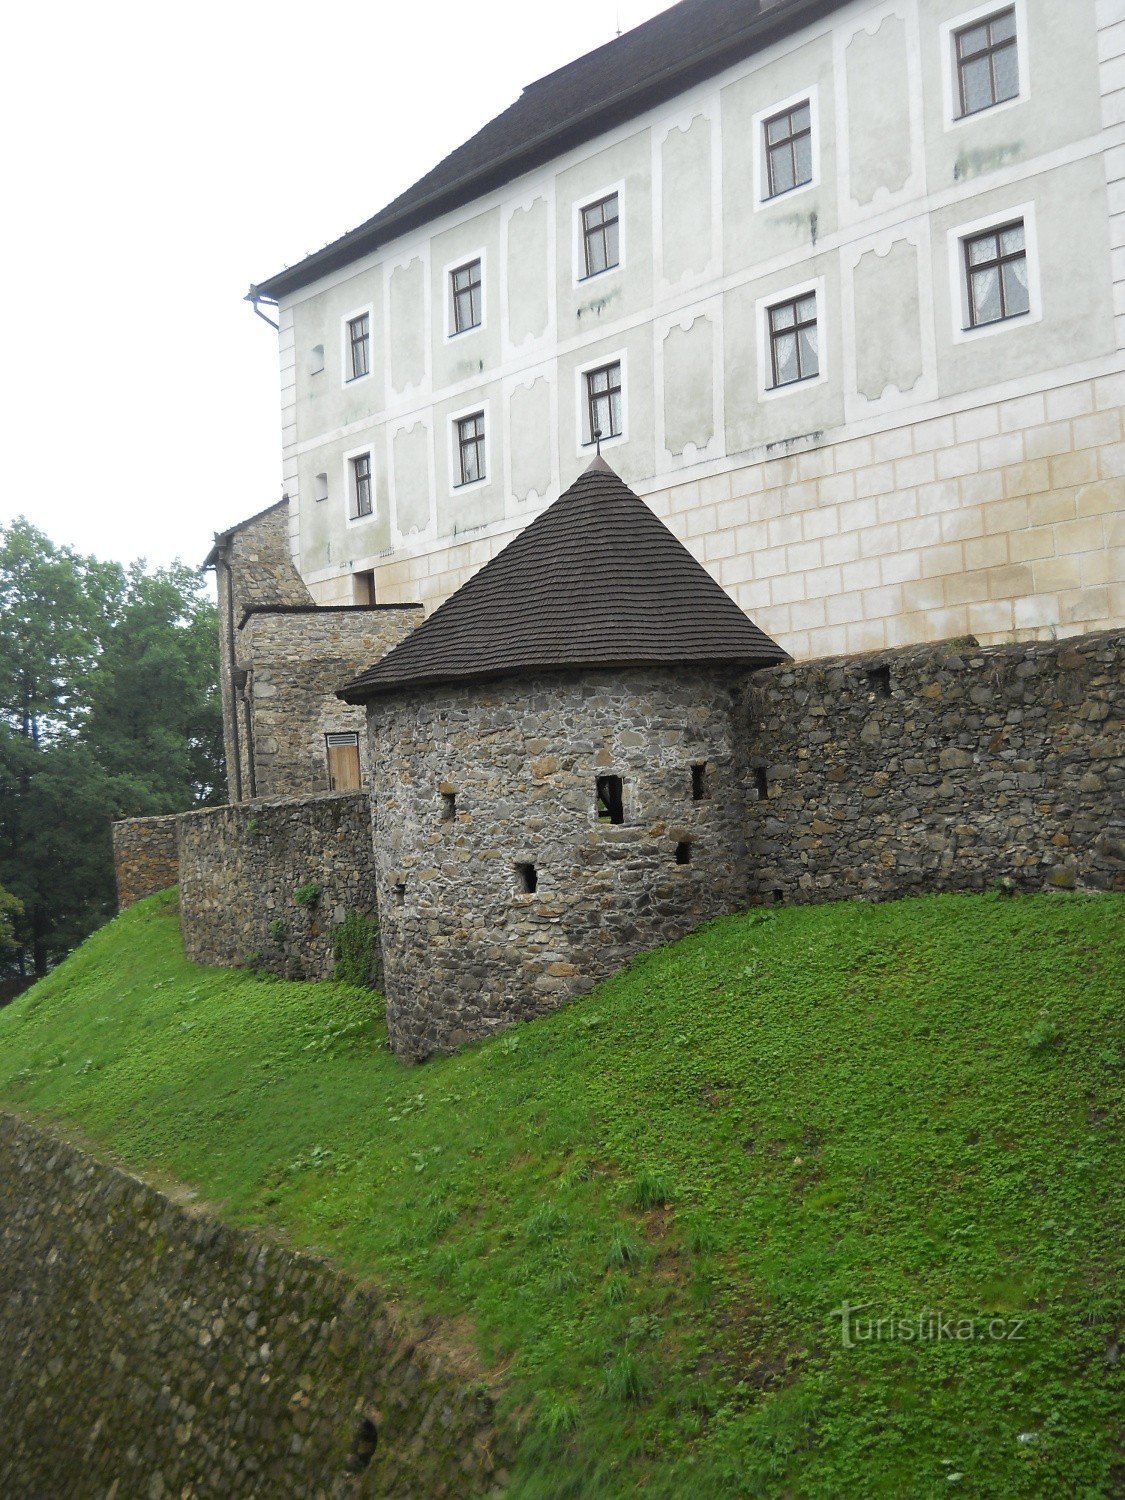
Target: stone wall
x=296 y=659
x=241 y=866
x=932 y=768
x=145 y=857
x=150 y=1351
x=474 y=782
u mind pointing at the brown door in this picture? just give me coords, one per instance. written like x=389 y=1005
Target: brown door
x=343 y=762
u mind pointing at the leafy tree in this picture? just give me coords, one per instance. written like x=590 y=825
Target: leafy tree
x=10 y=908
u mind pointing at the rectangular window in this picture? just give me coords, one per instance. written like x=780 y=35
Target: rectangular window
x=788 y=148
x=793 y=340
x=359 y=346
x=603 y=402
x=987 y=62
x=996 y=274
x=465 y=290
x=361 y=485
x=470 y=448
x=601 y=235
x=609 y=800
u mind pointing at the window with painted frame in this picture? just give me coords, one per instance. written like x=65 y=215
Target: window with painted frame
x=787 y=144
x=466 y=297
x=362 y=486
x=996 y=274
x=603 y=415
x=986 y=60
x=358 y=346
x=601 y=235
x=794 y=345
x=471 y=454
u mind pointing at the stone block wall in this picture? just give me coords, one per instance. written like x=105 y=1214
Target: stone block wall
x=240 y=867
x=149 y=1350
x=145 y=857
x=938 y=768
x=473 y=783
x=296 y=659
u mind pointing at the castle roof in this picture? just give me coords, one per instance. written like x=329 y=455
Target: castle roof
x=655 y=61
x=595 y=581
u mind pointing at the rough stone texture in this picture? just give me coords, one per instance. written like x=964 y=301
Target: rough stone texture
x=465 y=951
x=240 y=867
x=296 y=661
x=145 y=857
x=935 y=768
x=150 y=1351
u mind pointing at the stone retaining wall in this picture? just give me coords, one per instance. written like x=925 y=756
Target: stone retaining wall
x=944 y=767
x=242 y=867
x=151 y=1351
x=145 y=857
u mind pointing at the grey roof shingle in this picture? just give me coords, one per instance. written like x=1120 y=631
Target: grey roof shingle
x=655 y=61
x=595 y=581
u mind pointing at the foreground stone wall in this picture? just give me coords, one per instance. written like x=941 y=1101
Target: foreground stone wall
x=472 y=783
x=145 y=857
x=296 y=659
x=151 y=1351
x=240 y=870
x=942 y=767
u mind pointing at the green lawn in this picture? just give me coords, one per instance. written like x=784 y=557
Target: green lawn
x=644 y=1209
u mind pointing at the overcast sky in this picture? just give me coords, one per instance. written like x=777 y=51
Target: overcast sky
x=158 y=159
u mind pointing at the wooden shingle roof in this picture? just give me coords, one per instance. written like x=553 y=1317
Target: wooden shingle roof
x=595 y=581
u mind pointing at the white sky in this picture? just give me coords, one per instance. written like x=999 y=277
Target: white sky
x=157 y=159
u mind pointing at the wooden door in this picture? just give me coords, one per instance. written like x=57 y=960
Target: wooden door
x=343 y=762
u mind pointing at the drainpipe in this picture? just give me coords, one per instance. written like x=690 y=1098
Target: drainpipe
x=223 y=561
x=242 y=678
x=254 y=298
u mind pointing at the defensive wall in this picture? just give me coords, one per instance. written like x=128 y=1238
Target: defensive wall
x=150 y=1350
x=145 y=857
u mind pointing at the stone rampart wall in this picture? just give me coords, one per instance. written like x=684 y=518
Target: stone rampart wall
x=148 y=1350
x=242 y=869
x=945 y=767
x=145 y=857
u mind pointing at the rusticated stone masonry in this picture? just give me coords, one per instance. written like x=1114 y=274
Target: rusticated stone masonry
x=150 y=1351
x=937 y=768
x=502 y=891
x=267 y=883
x=145 y=857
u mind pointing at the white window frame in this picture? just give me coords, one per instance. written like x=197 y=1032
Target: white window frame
x=952 y=119
x=767 y=392
x=451 y=331
x=578 y=245
x=345 y=346
x=586 y=446
x=762 y=199
x=958 y=277
x=350 y=520
x=455 y=487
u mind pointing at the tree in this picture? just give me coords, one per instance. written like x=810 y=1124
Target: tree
x=10 y=909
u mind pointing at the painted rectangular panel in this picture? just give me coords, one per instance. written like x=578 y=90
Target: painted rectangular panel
x=408 y=325
x=689 y=415
x=878 y=110
x=527 y=273
x=412 y=479
x=888 y=332
x=686 y=199
x=531 y=442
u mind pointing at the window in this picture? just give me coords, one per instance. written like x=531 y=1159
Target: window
x=793 y=340
x=465 y=292
x=470 y=449
x=316 y=359
x=527 y=879
x=761 y=783
x=683 y=853
x=359 y=346
x=363 y=587
x=987 y=62
x=996 y=274
x=343 y=762
x=609 y=800
x=320 y=487
x=448 y=807
x=603 y=402
x=361 y=485
x=700 y=782
x=788 y=148
x=601 y=240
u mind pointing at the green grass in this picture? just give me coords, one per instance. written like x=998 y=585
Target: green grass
x=643 y=1210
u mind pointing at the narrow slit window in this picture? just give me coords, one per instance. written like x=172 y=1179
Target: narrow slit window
x=987 y=62
x=610 y=799
x=788 y=146
x=359 y=346
x=761 y=784
x=683 y=852
x=794 y=345
x=400 y=893
x=527 y=879
x=700 y=782
x=601 y=235
x=448 y=806
x=996 y=275
x=465 y=291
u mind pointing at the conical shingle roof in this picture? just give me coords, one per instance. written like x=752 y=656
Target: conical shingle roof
x=595 y=581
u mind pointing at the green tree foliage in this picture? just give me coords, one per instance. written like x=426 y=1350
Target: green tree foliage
x=10 y=909
x=109 y=708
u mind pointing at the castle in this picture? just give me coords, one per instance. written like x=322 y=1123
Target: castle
x=840 y=619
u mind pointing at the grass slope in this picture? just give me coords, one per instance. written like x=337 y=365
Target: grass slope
x=645 y=1208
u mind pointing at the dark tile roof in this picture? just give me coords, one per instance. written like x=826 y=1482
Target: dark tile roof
x=595 y=581
x=678 y=48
